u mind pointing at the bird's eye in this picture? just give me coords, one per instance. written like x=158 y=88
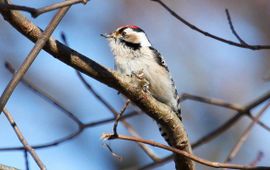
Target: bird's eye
x=124 y=33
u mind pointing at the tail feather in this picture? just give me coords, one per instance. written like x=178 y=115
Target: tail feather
x=164 y=134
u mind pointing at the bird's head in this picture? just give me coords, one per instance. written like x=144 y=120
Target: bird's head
x=129 y=35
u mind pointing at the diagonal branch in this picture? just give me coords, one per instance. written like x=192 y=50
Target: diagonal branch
x=233 y=30
x=218 y=102
x=41 y=41
x=44 y=95
x=193 y=27
x=234 y=151
x=23 y=140
x=72 y=135
x=36 y=12
x=225 y=126
x=118 y=117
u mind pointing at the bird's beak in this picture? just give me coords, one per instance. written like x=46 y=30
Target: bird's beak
x=107 y=35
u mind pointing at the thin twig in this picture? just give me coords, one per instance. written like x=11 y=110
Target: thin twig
x=120 y=158
x=258 y=158
x=218 y=131
x=234 y=151
x=49 y=144
x=36 y=12
x=31 y=56
x=233 y=30
x=232 y=121
x=193 y=27
x=72 y=135
x=232 y=106
x=23 y=140
x=181 y=152
x=57 y=6
x=212 y=101
x=44 y=95
x=258 y=101
x=99 y=97
x=119 y=116
x=26 y=160
x=100 y=122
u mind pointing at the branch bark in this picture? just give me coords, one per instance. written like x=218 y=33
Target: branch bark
x=127 y=86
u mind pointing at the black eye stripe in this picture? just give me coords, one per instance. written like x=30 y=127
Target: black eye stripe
x=124 y=33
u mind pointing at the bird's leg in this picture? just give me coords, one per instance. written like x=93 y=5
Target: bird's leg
x=143 y=81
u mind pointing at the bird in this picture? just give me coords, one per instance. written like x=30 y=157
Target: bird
x=134 y=55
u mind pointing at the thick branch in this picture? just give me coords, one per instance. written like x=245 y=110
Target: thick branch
x=127 y=86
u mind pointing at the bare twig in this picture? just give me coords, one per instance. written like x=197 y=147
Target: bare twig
x=72 y=135
x=96 y=123
x=218 y=131
x=44 y=95
x=36 y=12
x=258 y=158
x=258 y=101
x=26 y=160
x=23 y=140
x=181 y=152
x=233 y=120
x=232 y=106
x=120 y=158
x=31 y=56
x=119 y=116
x=49 y=144
x=212 y=101
x=233 y=30
x=98 y=96
x=234 y=151
x=193 y=27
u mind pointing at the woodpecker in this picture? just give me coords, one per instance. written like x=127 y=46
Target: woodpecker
x=134 y=54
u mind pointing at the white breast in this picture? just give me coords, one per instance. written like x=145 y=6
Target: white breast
x=128 y=61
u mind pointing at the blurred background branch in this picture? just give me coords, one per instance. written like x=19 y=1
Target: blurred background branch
x=242 y=44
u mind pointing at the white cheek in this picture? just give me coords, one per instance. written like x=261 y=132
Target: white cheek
x=143 y=40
